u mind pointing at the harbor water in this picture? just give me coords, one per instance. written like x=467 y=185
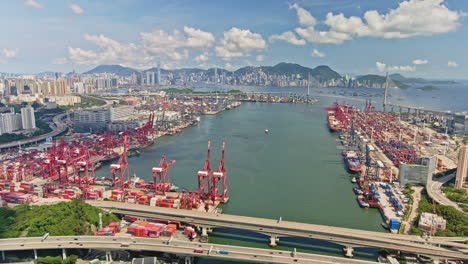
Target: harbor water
x=294 y=172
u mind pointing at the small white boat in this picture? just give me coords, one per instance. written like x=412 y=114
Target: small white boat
x=134 y=178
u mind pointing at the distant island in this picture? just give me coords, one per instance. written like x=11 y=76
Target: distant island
x=280 y=75
x=428 y=88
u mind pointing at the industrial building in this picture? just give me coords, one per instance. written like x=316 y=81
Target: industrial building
x=462 y=167
x=419 y=172
x=100 y=119
x=432 y=223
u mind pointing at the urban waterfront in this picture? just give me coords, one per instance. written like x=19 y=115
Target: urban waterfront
x=294 y=172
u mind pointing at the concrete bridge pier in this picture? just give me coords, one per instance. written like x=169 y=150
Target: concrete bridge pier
x=274 y=240
x=35 y=253
x=109 y=256
x=189 y=260
x=64 y=253
x=348 y=251
x=204 y=233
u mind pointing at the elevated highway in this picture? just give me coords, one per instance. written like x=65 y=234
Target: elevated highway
x=443 y=248
x=58 y=126
x=175 y=246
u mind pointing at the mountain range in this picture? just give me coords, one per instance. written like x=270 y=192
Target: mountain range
x=321 y=74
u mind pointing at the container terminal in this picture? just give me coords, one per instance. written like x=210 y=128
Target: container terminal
x=378 y=150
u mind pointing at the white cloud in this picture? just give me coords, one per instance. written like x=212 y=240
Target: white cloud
x=419 y=61
x=198 y=39
x=409 y=19
x=60 y=61
x=202 y=57
x=8 y=54
x=304 y=17
x=168 y=47
x=76 y=9
x=452 y=64
x=260 y=58
x=33 y=3
x=228 y=66
x=238 y=43
x=317 y=53
x=382 y=67
x=312 y=35
x=289 y=37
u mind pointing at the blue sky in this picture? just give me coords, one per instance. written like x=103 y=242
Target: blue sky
x=426 y=38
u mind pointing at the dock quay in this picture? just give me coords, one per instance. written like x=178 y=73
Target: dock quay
x=380 y=148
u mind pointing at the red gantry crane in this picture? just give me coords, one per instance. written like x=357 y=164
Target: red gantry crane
x=204 y=175
x=121 y=168
x=161 y=175
x=220 y=176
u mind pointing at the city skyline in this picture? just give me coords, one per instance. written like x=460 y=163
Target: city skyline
x=355 y=37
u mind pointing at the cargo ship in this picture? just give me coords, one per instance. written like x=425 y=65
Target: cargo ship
x=352 y=162
x=333 y=124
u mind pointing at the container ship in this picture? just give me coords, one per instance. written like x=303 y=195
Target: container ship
x=333 y=124
x=352 y=162
x=338 y=116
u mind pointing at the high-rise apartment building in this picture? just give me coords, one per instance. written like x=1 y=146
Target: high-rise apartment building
x=10 y=122
x=462 y=168
x=28 y=119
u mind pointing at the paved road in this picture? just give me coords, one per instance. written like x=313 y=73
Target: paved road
x=174 y=246
x=58 y=127
x=435 y=192
x=344 y=236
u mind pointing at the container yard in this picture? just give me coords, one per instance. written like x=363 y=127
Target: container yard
x=65 y=169
x=374 y=147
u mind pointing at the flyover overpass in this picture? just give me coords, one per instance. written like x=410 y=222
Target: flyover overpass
x=453 y=248
x=58 y=127
x=175 y=246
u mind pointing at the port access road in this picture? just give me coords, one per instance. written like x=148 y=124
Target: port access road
x=172 y=246
x=434 y=189
x=453 y=247
x=58 y=126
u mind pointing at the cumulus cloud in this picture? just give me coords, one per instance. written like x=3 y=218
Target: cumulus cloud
x=169 y=47
x=202 y=57
x=238 y=43
x=316 y=53
x=289 y=37
x=304 y=17
x=409 y=19
x=33 y=3
x=76 y=9
x=419 y=61
x=7 y=54
x=260 y=58
x=382 y=67
x=452 y=64
x=228 y=66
